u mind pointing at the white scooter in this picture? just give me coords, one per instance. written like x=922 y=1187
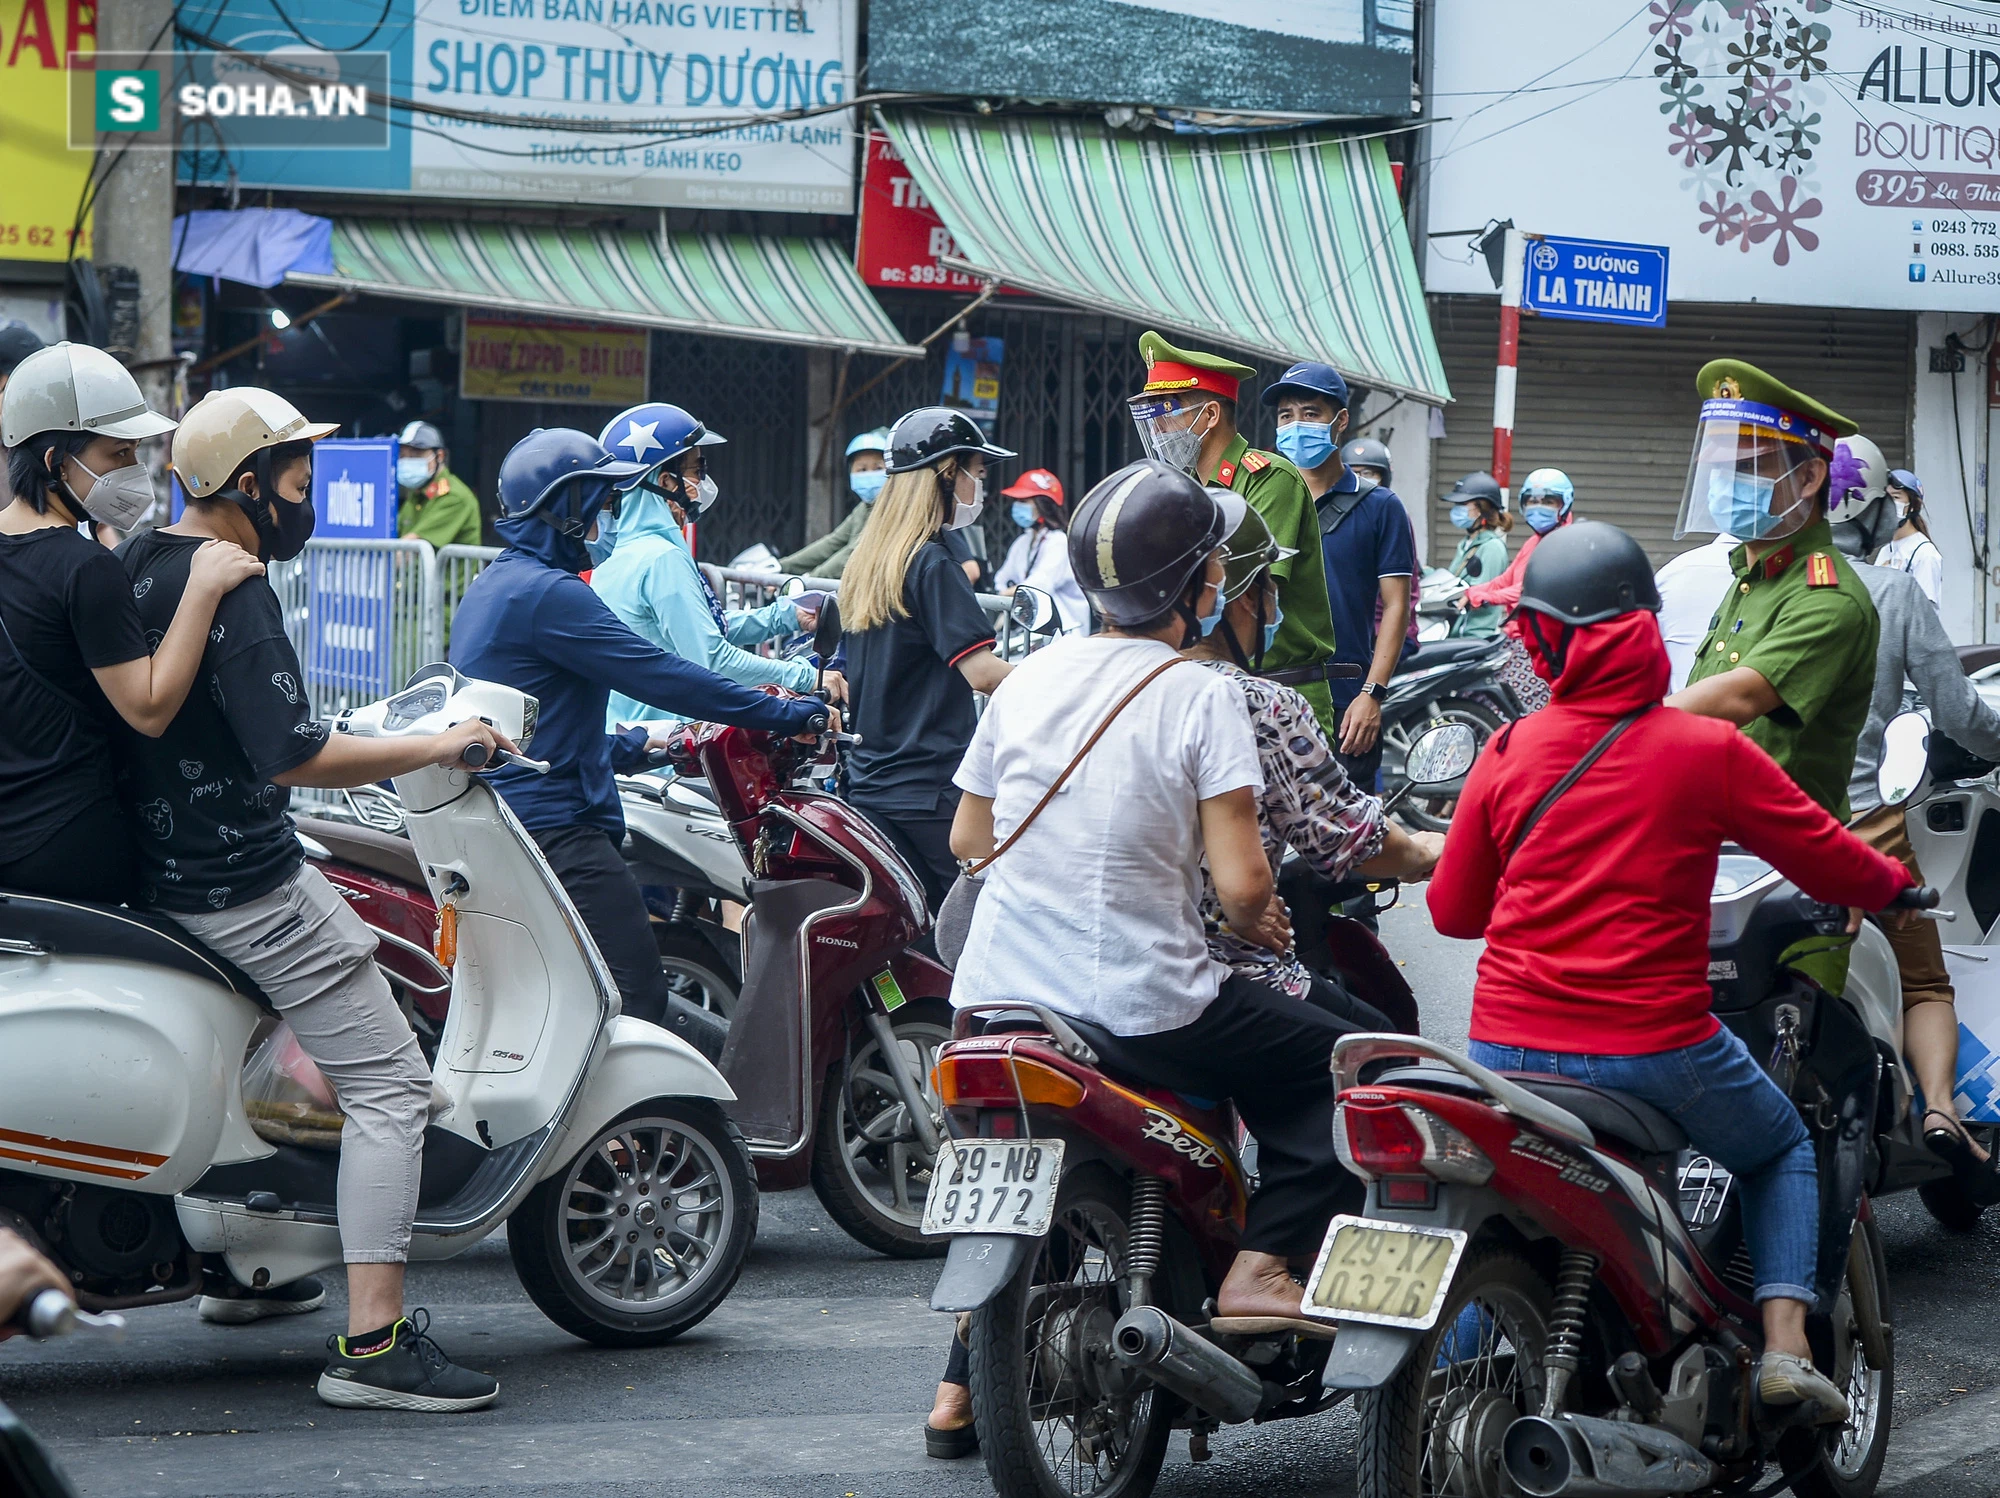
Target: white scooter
x=127 y=1154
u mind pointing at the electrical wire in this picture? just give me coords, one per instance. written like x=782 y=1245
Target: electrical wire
x=293 y=27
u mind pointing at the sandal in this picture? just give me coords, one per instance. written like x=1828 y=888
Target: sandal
x=950 y=1445
x=1980 y=1178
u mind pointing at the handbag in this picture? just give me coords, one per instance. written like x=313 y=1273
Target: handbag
x=954 y=917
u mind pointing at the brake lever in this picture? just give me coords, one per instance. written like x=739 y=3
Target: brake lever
x=50 y=1313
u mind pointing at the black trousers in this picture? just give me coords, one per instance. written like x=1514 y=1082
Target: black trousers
x=89 y=858
x=592 y=871
x=924 y=840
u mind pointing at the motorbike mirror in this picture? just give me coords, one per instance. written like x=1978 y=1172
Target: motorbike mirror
x=1905 y=755
x=1442 y=755
x=826 y=633
x=791 y=587
x=1034 y=611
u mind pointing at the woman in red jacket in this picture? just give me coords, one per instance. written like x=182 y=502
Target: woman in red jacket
x=1547 y=501
x=1596 y=954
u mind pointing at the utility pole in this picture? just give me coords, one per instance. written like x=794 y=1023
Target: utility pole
x=135 y=205
x=1513 y=263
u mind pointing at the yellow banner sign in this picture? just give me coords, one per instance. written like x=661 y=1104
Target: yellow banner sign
x=44 y=179
x=535 y=359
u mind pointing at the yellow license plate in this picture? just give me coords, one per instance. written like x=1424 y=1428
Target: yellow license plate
x=1384 y=1273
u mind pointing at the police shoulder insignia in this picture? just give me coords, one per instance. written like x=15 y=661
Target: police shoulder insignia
x=1255 y=461
x=1820 y=571
x=1226 y=475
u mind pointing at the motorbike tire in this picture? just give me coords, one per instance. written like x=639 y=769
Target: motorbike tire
x=1413 y=1427
x=1852 y=1466
x=539 y=1234
x=837 y=1181
x=1950 y=1205
x=1480 y=717
x=1011 y=1394
x=695 y=971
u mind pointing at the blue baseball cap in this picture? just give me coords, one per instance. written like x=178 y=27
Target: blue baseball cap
x=1320 y=379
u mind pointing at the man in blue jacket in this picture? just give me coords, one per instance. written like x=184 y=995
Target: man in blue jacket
x=530 y=621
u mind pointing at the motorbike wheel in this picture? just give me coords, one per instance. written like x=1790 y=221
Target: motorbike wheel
x=870 y=1170
x=695 y=971
x=1431 y=813
x=1950 y=1205
x=1437 y=1426
x=1058 y=1417
x=1847 y=1463
x=580 y=1240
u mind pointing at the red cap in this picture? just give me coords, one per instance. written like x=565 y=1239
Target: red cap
x=1036 y=483
x=1166 y=376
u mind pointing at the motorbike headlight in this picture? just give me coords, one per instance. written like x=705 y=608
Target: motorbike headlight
x=1737 y=871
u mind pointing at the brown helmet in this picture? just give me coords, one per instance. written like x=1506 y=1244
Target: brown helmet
x=228 y=427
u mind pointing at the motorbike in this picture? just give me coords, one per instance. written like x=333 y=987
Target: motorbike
x=1091 y=1216
x=1443 y=681
x=599 y=1140
x=27 y=1469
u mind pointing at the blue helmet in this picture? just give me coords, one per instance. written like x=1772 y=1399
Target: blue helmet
x=876 y=441
x=1549 y=483
x=552 y=484
x=652 y=434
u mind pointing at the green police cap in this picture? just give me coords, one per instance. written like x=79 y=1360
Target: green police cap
x=1733 y=380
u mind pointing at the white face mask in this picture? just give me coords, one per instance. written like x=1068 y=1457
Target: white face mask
x=118 y=498
x=964 y=513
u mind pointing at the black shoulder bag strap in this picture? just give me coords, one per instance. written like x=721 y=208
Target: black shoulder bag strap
x=1331 y=515
x=1612 y=736
x=35 y=676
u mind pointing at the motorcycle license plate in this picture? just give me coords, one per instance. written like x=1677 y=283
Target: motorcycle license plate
x=994 y=1186
x=1385 y=1273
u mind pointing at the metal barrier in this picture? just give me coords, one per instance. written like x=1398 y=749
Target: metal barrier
x=741 y=589
x=457 y=566
x=362 y=616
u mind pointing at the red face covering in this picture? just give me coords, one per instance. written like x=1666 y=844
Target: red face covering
x=1616 y=664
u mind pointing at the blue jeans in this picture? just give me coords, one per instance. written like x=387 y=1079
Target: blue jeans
x=1734 y=1114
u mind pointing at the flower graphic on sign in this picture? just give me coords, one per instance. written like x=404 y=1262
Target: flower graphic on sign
x=1749 y=142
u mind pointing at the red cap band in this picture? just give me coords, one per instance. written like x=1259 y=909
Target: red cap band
x=1165 y=375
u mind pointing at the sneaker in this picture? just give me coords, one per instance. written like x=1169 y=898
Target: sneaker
x=236 y=1306
x=1783 y=1379
x=409 y=1372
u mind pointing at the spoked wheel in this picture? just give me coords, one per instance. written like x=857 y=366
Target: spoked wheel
x=645 y=1230
x=1435 y=1429
x=1058 y=1415
x=870 y=1169
x=695 y=971
x=1431 y=813
x=1847 y=1462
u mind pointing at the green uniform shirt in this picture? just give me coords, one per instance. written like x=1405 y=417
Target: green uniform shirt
x=444 y=512
x=829 y=555
x=1802 y=619
x=1273 y=487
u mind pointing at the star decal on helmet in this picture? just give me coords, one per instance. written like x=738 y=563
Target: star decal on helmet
x=639 y=439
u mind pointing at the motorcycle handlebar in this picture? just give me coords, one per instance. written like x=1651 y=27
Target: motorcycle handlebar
x=1916 y=897
x=477 y=757
x=50 y=1313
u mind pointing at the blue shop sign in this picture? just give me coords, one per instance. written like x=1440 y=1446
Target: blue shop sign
x=1596 y=280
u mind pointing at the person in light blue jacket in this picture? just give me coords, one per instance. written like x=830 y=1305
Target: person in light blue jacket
x=645 y=572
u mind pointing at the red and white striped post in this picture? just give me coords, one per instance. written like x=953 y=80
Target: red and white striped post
x=1513 y=267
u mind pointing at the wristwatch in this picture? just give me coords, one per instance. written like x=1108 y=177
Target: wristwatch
x=1374 y=689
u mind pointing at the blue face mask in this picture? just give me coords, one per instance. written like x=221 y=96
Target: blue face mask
x=1271 y=629
x=1461 y=516
x=413 y=473
x=1307 y=443
x=1541 y=518
x=607 y=538
x=1740 y=504
x=1023 y=512
x=1213 y=617
x=868 y=484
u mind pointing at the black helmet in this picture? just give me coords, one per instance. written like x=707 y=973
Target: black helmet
x=1366 y=452
x=932 y=432
x=1588 y=572
x=1481 y=485
x=1139 y=537
x=1249 y=549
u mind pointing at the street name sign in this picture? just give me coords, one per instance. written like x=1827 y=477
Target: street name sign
x=1596 y=280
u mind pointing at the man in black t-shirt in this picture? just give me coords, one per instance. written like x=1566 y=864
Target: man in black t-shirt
x=218 y=855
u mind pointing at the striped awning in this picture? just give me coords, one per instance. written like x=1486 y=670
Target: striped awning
x=782 y=290
x=1287 y=247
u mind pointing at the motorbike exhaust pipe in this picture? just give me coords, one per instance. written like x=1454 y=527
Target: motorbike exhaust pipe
x=1579 y=1456
x=1149 y=1341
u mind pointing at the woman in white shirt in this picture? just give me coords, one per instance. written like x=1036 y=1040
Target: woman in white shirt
x=1039 y=556
x=1117 y=940
x=1912 y=550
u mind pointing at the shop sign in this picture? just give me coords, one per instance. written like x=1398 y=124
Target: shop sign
x=354 y=487
x=902 y=237
x=1792 y=152
x=535 y=359
x=354 y=598
x=972 y=379
x=44 y=181
x=1596 y=280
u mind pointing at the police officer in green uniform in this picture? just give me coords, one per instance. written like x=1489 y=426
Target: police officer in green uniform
x=1186 y=416
x=1790 y=654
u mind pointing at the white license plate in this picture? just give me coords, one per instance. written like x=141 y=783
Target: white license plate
x=1385 y=1273
x=994 y=1186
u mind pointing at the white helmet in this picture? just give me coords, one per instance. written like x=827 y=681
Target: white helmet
x=72 y=387
x=1858 y=476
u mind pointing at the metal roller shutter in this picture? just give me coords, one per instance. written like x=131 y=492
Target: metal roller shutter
x=1615 y=408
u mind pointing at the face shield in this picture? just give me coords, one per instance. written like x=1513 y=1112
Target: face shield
x=1168 y=428
x=1756 y=475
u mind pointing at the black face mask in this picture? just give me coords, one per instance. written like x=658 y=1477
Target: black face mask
x=287 y=537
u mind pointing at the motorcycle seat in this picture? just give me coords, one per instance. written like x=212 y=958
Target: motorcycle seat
x=1613 y=1116
x=367 y=848
x=66 y=928
x=1111 y=1055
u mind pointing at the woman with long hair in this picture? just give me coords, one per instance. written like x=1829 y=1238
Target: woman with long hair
x=918 y=644
x=1039 y=557
x=1478 y=507
x=1911 y=549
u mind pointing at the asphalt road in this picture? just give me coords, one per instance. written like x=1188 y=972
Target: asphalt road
x=813 y=1378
